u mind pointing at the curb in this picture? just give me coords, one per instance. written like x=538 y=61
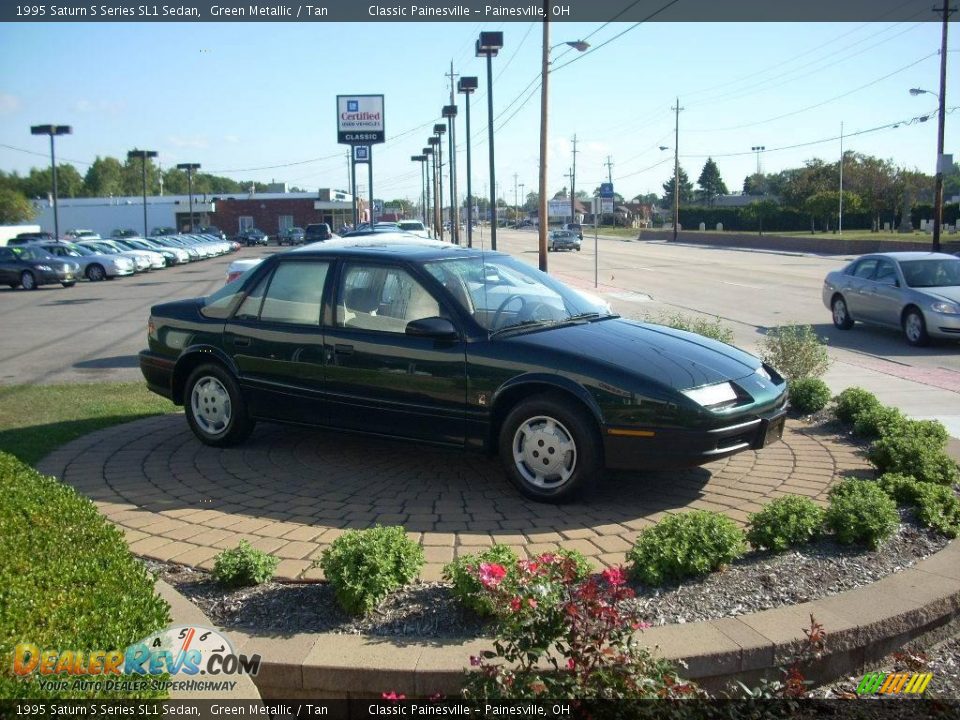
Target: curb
x=863 y=625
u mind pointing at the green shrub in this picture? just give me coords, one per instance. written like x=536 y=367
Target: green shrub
x=853 y=401
x=680 y=546
x=244 y=565
x=879 y=421
x=938 y=508
x=861 y=512
x=795 y=351
x=67 y=579
x=462 y=573
x=903 y=489
x=363 y=566
x=785 y=522
x=915 y=450
x=809 y=395
x=708 y=328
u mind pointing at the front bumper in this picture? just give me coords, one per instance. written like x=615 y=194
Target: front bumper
x=942 y=325
x=158 y=372
x=671 y=448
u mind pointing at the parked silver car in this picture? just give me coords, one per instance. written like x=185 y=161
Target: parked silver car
x=918 y=292
x=94 y=266
x=563 y=240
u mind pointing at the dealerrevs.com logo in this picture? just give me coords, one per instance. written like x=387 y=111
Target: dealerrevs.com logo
x=181 y=652
x=879 y=683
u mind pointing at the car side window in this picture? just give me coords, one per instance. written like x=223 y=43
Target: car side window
x=294 y=293
x=865 y=269
x=250 y=307
x=886 y=273
x=6 y=254
x=382 y=298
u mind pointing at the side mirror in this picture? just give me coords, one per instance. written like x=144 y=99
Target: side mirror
x=437 y=328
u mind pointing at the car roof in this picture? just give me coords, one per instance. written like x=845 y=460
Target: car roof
x=913 y=255
x=389 y=245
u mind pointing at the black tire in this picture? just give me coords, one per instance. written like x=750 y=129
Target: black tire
x=215 y=408
x=841 y=314
x=69 y=284
x=552 y=430
x=28 y=281
x=915 y=328
x=95 y=272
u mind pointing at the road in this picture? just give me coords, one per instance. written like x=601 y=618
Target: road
x=94 y=330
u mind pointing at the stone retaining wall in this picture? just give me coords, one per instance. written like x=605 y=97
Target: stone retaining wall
x=821 y=244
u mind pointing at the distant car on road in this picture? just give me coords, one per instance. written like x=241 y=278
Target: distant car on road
x=252 y=236
x=31 y=266
x=563 y=240
x=317 y=232
x=576 y=228
x=414 y=227
x=918 y=292
x=290 y=236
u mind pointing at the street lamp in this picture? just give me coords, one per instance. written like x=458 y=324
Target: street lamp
x=143 y=155
x=434 y=143
x=189 y=167
x=488 y=45
x=543 y=220
x=938 y=187
x=758 y=149
x=467 y=85
x=53 y=130
x=450 y=113
x=428 y=153
x=423 y=185
x=438 y=130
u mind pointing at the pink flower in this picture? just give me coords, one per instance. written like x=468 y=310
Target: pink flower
x=491 y=574
x=515 y=604
x=393 y=696
x=529 y=566
x=615 y=576
x=570 y=664
x=642 y=625
x=532 y=602
x=476 y=660
x=548 y=558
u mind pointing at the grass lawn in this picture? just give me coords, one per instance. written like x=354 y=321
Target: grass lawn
x=37 y=419
x=951 y=242
x=611 y=232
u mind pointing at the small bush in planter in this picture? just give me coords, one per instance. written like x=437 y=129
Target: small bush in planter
x=902 y=488
x=915 y=450
x=462 y=572
x=853 y=401
x=878 y=422
x=785 y=522
x=938 y=508
x=686 y=545
x=795 y=351
x=364 y=566
x=244 y=565
x=708 y=328
x=809 y=395
x=861 y=512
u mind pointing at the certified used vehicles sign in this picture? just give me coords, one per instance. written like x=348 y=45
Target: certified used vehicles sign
x=360 y=119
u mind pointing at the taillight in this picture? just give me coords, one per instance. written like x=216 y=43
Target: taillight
x=152 y=329
x=231 y=276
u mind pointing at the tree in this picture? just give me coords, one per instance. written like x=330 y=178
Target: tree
x=816 y=176
x=710 y=182
x=532 y=201
x=826 y=206
x=14 y=207
x=646 y=198
x=39 y=184
x=686 y=190
x=875 y=181
x=132 y=177
x=755 y=184
x=104 y=178
x=761 y=210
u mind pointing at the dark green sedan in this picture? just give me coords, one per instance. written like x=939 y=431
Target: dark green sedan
x=432 y=342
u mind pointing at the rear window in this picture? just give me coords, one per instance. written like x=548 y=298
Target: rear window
x=410 y=225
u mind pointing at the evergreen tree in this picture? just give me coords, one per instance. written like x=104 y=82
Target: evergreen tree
x=710 y=182
x=686 y=190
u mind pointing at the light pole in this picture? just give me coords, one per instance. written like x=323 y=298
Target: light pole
x=434 y=142
x=467 y=85
x=423 y=196
x=428 y=153
x=143 y=155
x=189 y=167
x=543 y=220
x=438 y=130
x=488 y=45
x=450 y=113
x=938 y=187
x=758 y=149
x=53 y=130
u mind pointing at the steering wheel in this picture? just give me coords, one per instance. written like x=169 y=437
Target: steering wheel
x=495 y=324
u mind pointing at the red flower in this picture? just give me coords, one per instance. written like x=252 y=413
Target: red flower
x=491 y=574
x=515 y=604
x=532 y=602
x=548 y=558
x=615 y=576
x=393 y=696
x=476 y=660
x=642 y=625
x=570 y=664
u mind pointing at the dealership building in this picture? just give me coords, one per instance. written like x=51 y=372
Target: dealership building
x=231 y=212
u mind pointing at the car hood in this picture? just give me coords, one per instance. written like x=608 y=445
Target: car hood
x=678 y=359
x=951 y=293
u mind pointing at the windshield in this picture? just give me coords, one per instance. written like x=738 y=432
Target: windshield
x=102 y=247
x=411 y=225
x=937 y=272
x=32 y=253
x=501 y=293
x=79 y=250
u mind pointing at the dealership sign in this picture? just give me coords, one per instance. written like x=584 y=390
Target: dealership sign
x=360 y=119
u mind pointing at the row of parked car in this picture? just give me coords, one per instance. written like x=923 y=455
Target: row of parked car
x=32 y=259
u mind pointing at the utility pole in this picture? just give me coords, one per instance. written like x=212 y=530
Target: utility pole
x=573 y=183
x=609 y=164
x=452 y=120
x=676 y=169
x=840 y=216
x=569 y=175
x=938 y=188
x=515 y=211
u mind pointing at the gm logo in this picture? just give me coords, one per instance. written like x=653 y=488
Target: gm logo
x=353 y=106
x=894 y=683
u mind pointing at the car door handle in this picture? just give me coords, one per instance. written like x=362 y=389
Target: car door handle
x=241 y=342
x=341 y=349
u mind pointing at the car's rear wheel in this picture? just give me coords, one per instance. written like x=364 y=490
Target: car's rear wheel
x=841 y=315
x=548 y=449
x=27 y=280
x=95 y=273
x=215 y=408
x=915 y=328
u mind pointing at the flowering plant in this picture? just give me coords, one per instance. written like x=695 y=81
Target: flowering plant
x=562 y=635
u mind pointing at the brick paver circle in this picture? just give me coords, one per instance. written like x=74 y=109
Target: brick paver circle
x=291 y=491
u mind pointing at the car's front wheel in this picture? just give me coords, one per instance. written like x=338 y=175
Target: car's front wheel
x=27 y=280
x=95 y=273
x=841 y=316
x=548 y=449
x=215 y=408
x=914 y=328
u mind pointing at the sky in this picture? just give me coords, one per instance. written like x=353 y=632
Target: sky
x=257 y=100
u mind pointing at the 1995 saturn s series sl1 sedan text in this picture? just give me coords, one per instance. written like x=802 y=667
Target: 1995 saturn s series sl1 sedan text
x=434 y=342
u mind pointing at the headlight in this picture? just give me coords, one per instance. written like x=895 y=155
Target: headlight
x=45 y=268
x=762 y=372
x=712 y=395
x=946 y=308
